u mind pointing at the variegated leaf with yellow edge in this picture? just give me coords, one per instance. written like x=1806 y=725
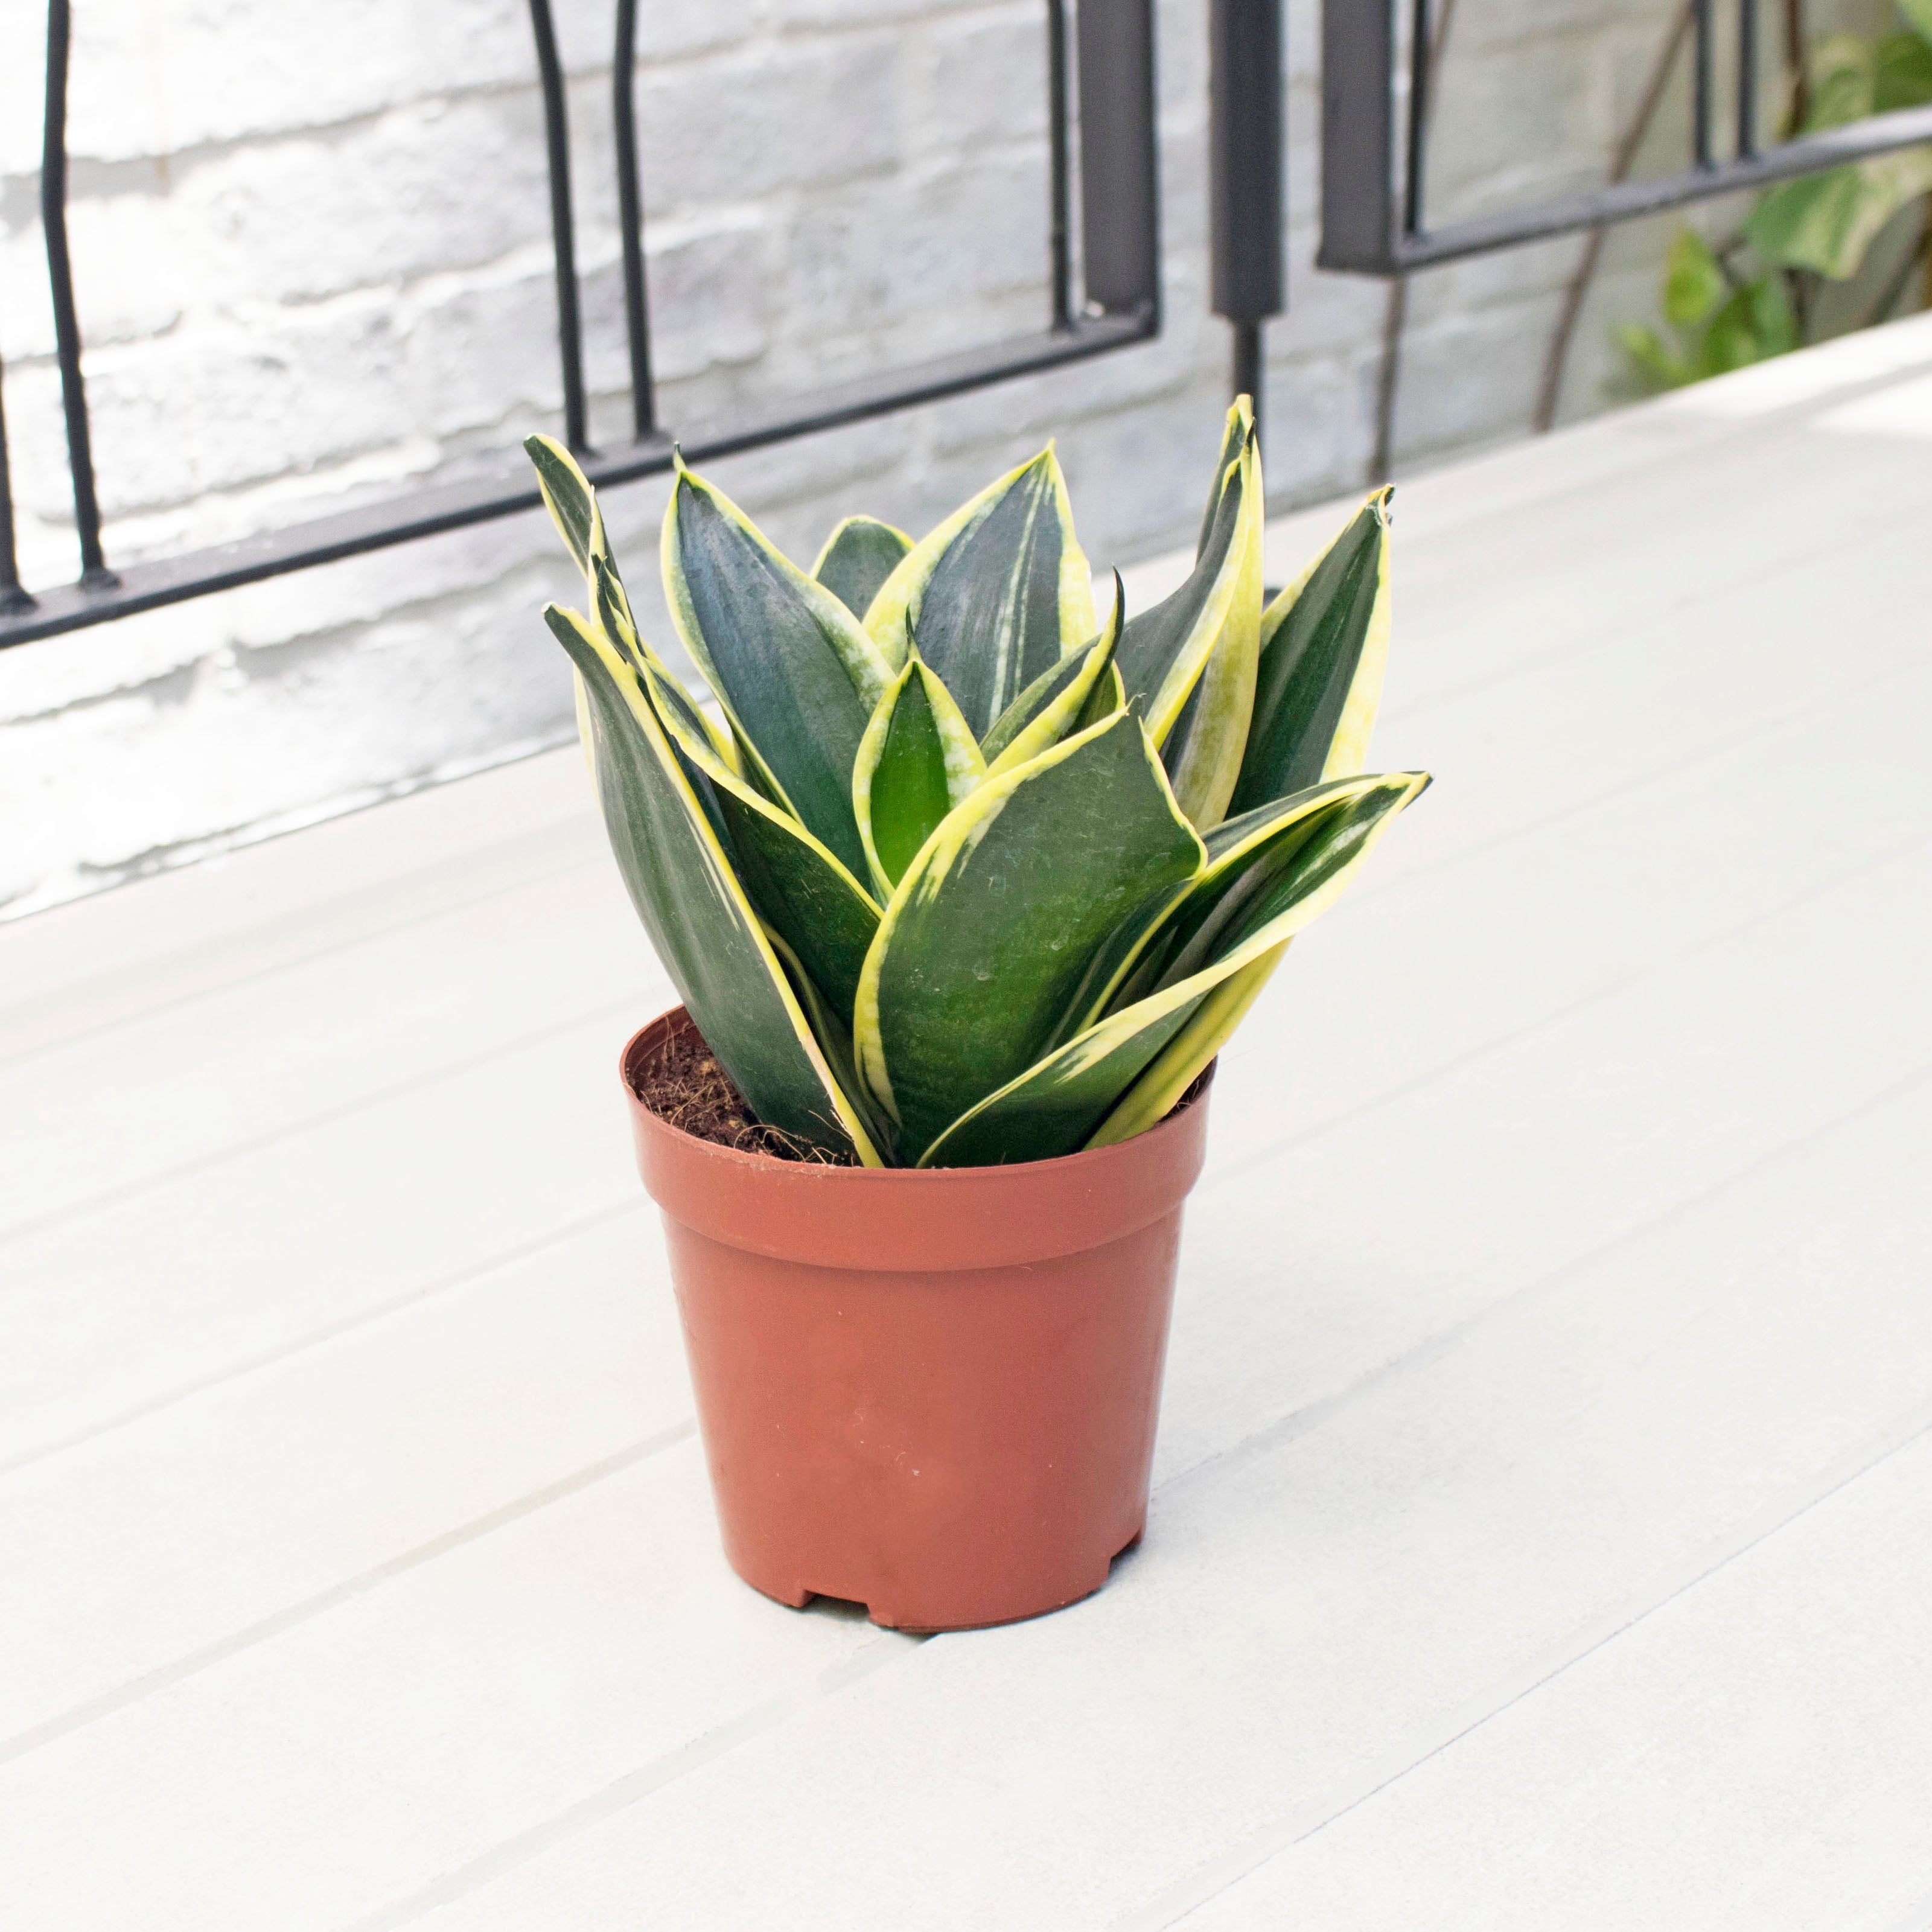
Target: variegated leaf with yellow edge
x=705 y=929
x=571 y=501
x=1242 y=853
x=1119 y=1076
x=1056 y=704
x=859 y=556
x=1165 y=651
x=795 y=883
x=993 y=924
x=1203 y=750
x=916 y=761
x=996 y=595
x=794 y=670
x=1323 y=649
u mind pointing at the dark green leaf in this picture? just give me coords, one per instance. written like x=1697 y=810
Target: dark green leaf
x=858 y=557
x=1052 y=706
x=1323 y=648
x=686 y=894
x=1203 y=748
x=1162 y=651
x=1088 y=1091
x=992 y=927
x=794 y=882
x=1282 y=856
x=791 y=665
x=1136 y=956
x=1108 y=695
x=1235 y=434
x=569 y=497
x=996 y=595
x=916 y=761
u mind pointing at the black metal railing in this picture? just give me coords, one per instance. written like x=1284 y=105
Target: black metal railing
x=1373 y=215
x=1107 y=104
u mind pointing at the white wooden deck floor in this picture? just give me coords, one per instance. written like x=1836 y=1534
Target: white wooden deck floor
x=1542 y=1531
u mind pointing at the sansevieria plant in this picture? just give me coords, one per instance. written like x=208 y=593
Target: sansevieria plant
x=967 y=872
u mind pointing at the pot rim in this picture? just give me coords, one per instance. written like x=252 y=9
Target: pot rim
x=923 y=1219
x=741 y=1158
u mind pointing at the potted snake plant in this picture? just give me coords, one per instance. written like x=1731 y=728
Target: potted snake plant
x=964 y=882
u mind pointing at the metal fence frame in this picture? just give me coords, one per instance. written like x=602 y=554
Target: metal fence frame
x=1119 y=274
x=1372 y=213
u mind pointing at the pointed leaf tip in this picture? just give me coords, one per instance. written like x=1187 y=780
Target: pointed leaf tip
x=997 y=594
x=796 y=672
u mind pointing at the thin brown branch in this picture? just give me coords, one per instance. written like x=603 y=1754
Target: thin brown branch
x=1918 y=257
x=1629 y=144
x=1797 y=40
x=1395 y=311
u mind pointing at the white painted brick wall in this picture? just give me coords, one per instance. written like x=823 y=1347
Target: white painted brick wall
x=312 y=257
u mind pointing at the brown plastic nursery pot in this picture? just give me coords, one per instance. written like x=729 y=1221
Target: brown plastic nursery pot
x=931 y=1392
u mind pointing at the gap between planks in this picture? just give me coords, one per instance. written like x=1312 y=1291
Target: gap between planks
x=1219 y=1174
x=292 y=1615
x=1170 y=1906
x=1175 y=1905
x=289 y=1130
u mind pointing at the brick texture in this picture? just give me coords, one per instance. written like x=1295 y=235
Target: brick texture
x=311 y=251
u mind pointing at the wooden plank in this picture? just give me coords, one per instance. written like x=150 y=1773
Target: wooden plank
x=206 y=925
x=1519 y=964
x=1528 y=1160
x=1564 y=943
x=111 y=1312
x=1540 y=927
x=91 y=1120
x=1755 y=1754
x=189 y=1550
x=116 y=995
x=1500 y=1206
x=1329 y=1609
x=1503 y=1403
x=305 y=1778
x=267 y=1499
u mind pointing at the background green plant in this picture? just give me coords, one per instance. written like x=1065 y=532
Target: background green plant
x=1756 y=294
x=968 y=874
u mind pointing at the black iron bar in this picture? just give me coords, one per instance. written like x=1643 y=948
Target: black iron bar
x=1420 y=41
x=13 y=598
x=1248 y=279
x=1060 y=186
x=556 y=141
x=1747 y=81
x=1628 y=201
x=94 y=571
x=147 y=586
x=1700 y=85
x=630 y=219
x=1250 y=371
x=1119 y=171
